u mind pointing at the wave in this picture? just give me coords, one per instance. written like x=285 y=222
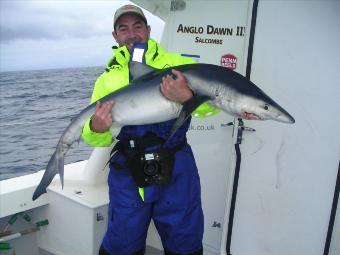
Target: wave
x=36 y=106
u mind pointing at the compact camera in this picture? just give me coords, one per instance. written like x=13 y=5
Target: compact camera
x=157 y=166
x=151 y=167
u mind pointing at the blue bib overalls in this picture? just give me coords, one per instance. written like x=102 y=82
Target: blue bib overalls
x=175 y=207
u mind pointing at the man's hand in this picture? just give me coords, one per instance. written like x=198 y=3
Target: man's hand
x=176 y=90
x=102 y=118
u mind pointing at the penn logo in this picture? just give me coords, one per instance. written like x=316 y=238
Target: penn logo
x=229 y=61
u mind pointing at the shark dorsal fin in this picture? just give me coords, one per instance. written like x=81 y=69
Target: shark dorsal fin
x=137 y=69
x=137 y=65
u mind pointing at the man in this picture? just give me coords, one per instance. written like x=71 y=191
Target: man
x=175 y=205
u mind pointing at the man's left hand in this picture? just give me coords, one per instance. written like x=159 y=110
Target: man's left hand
x=176 y=89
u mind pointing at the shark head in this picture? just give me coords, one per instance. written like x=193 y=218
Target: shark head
x=261 y=108
x=253 y=104
x=236 y=95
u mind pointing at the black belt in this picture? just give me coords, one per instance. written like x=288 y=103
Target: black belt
x=126 y=146
x=145 y=142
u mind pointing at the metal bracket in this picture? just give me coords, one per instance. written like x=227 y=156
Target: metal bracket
x=177 y=5
x=100 y=217
x=240 y=129
x=216 y=224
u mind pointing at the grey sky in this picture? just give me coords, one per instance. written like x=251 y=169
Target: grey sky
x=37 y=34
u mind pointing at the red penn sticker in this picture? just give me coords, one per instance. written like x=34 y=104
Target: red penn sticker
x=229 y=61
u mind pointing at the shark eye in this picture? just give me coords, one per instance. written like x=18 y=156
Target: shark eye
x=266 y=107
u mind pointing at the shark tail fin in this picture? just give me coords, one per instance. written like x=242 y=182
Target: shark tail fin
x=54 y=166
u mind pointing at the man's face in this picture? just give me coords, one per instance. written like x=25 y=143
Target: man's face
x=131 y=29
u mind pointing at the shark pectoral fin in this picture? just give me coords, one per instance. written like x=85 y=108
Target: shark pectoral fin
x=188 y=107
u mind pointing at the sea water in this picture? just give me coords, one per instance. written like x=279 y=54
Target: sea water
x=35 y=109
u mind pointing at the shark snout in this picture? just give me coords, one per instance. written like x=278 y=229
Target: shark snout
x=285 y=118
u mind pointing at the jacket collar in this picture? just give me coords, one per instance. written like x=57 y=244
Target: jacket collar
x=122 y=55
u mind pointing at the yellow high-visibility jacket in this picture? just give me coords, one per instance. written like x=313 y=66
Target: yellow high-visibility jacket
x=116 y=76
